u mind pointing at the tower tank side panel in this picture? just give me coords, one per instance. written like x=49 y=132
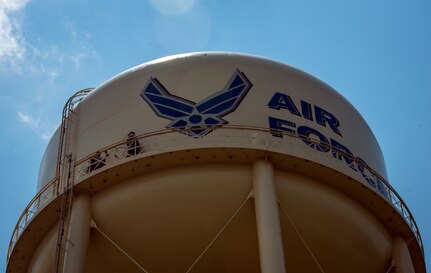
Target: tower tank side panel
x=48 y=163
x=339 y=231
x=43 y=257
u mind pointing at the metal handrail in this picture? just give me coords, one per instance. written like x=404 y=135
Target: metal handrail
x=118 y=151
x=42 y=198
x=388 y=192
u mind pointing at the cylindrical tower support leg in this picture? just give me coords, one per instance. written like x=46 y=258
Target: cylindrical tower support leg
x=401 y=256
x=267 y=219
x=79 y=235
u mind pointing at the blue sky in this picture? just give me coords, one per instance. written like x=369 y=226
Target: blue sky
x=375 y=53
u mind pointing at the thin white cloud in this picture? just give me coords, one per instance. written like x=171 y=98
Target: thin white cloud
x=45 y=63
x=83 y=49
x=47 y=66
x=12 y=47
x=81 y=56
x=12 y=5
x=52 y=62
x=35 y=125
x=30 y=58
x=28 y=120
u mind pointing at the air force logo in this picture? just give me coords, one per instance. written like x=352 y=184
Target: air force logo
x=196 y=119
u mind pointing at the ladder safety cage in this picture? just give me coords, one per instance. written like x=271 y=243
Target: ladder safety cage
x=64 y=176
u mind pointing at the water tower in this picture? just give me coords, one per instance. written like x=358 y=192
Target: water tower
x=214 y=162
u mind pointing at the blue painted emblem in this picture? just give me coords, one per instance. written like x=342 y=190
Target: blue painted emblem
x=196 y=119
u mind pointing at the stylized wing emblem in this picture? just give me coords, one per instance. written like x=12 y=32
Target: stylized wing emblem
x=196 y=119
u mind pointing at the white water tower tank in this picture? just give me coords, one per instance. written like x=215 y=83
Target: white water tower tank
x=236 y=164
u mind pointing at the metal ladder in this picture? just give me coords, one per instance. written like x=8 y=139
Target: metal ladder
x=64 y=175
